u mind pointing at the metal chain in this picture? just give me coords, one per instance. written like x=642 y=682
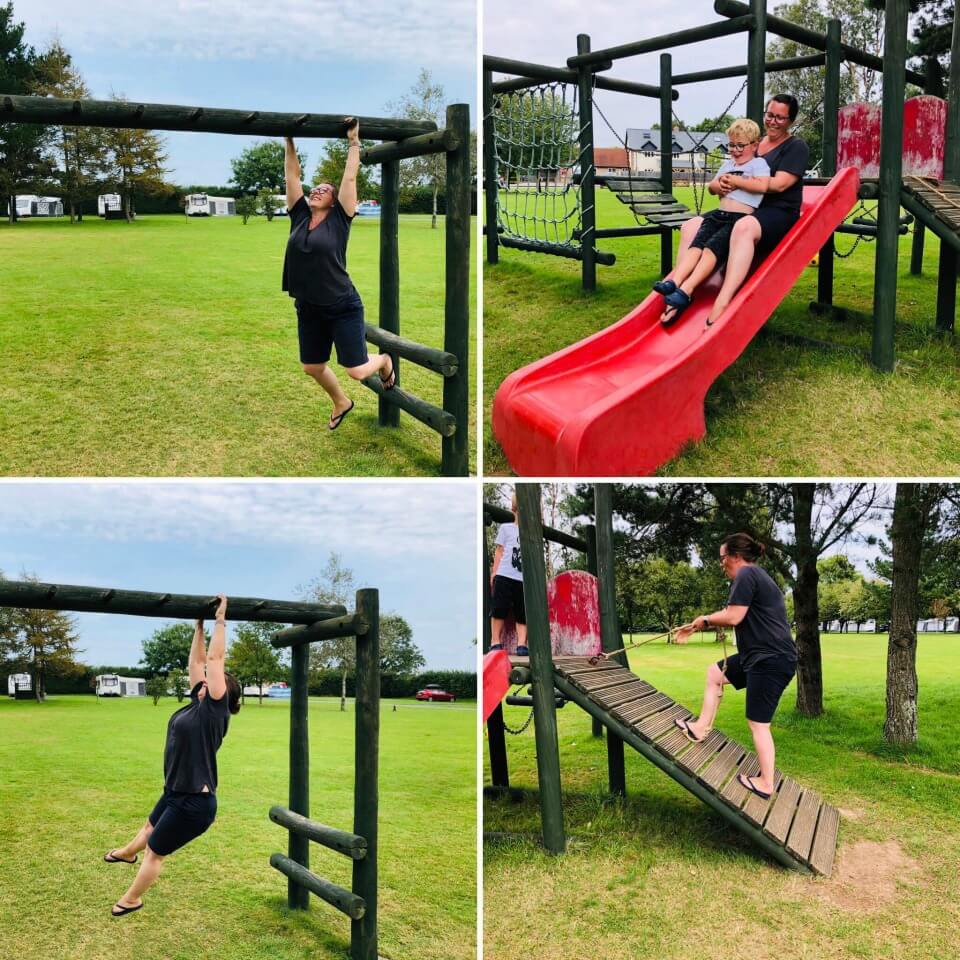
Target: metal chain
x=526 y=723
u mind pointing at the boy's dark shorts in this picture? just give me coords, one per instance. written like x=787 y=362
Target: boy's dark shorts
x=179 y=818
x=765 y=684
x=714 y=233
x=340 y=323
x=507 y=596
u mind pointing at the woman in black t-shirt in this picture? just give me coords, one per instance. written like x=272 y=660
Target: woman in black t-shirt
x=766 y=657
x=329 y=309
x=194 y=733
x=757 y=234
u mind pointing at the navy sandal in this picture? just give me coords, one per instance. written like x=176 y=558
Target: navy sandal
x=679 y=300
x=665 y=287
x=745 y=782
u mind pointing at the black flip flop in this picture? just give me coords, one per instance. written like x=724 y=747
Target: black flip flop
x=745 y=782
x=338 y=419
x=124 y=910
x=110 y=858
x=684 y=725
x=389 y=382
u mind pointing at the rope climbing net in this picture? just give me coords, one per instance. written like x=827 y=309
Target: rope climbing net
x=537 y=150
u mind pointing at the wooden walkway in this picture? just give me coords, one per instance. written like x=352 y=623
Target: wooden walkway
x=646 y=199
x=940 y=197
x=796 y=820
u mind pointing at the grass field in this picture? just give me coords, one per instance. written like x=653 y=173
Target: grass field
x=781 y=409
x=167 y=348
x=80 y=777
x=660 y=875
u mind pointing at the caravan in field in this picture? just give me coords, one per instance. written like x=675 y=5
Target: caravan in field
x=203 y=205
x=112 y=685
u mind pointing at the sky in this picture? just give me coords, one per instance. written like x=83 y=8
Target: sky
x=307 y=56
x=414 y=541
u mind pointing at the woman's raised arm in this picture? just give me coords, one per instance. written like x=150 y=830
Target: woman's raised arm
x=216 y=680
x=291 y=173
x=348 y=185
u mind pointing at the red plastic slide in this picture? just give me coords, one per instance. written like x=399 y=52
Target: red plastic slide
x=627 y=399
x=496 y=680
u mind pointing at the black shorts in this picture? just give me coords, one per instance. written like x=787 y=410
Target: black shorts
x=775 y=224
x=179 y=818
x=340 y=323
x=507 y=596
x=765 y=684
x=714 y=233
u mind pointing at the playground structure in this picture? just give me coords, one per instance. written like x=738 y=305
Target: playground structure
x=402 y=139
x=938 y=213
x=795 y=827
x=311 y=622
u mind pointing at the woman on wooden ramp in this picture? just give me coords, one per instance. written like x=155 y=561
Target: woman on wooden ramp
x=766 y=657
x=194 y=734
x=329 y=309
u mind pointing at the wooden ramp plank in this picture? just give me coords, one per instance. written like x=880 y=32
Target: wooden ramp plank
x=622 y=696
x=721 y=765
x=653 y=727
x=784 y=807
x=596 y=686
x=584 y=668
x=756 y=808
x=825 y=841
x=673 y=743
x=699 y=753
x=642 y=708
x=804 y=823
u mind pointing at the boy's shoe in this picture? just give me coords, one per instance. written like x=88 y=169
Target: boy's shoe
x=523 y=651
x=495 y=646
x=665 y=287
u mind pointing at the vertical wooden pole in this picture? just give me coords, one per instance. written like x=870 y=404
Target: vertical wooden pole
x=491 y=182
x=756 y=57
x=947 y=276
x=388 y=413
x=831 y=108
x=891 y=170
x=590 y=534
x=298 y=847
x=588 y=215
x=496 y=739
x=666 y=154
x=916 y=248
x=456 y=325
x=610 y=636
x=363 y=932
x=541 y=666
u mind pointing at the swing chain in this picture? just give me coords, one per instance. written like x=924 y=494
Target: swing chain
x=526 y=723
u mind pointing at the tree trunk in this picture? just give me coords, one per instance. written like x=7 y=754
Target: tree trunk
x=805 y=607
x=343 y=692
x=910 y=516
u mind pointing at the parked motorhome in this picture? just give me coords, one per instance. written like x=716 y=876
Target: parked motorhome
x=29 y=205
x=112 y=685
x=280 y=205
x=203 y=205
x=110 y=206
x=368 y=208
x=19 y=684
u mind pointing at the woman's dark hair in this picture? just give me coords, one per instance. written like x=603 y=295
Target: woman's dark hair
x=743 y=545
x=233 y=693
x=789 y=101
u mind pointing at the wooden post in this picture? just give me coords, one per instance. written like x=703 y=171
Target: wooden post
x=496 y=739
x=591 y=537
x=588 y=201
x=610 y=635
x=947 y=276
x=491 y=182
x=298 y=846
x=916 y=248
x=363 y=932
x=831 y=108
x=666 y=154
x=456 y=323
x=756 y=56
x=541 y=666
x=891 y=170
x=388 y=414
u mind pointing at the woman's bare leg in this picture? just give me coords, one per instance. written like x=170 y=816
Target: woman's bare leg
x=327 y=379
x=146 y=875
x=766 y=754
x=712 y=693
x=129 y=851
x=743 y=245
x=381 y=361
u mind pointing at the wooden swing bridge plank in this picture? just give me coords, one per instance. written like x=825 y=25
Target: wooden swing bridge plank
x=795 y=819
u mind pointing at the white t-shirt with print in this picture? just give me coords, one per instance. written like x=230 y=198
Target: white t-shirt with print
x=511 y=565
x=757 y=167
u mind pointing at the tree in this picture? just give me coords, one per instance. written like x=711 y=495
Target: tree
x=399 y=655
x=334 y=160
x=251 y=658
x=932 y=30
x=260 y=167
x=246 y=207
x=664 y=593
x=47 y=639
x=266 y=203
x=169 y=648
x=179 y=682
x=156 y=687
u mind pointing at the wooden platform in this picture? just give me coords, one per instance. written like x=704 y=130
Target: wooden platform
x=940 y=197
x=795 y=819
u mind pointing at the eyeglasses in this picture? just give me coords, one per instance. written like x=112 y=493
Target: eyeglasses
x=724 y=556
x=739 y=147
x=322 y=190
x=776 y=117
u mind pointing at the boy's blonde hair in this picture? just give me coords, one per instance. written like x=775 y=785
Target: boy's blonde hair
x=744 y=128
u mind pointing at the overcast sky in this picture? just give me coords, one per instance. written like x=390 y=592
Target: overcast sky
x=414 y=541
x=310 y=56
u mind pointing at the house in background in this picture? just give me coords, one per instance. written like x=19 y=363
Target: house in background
x=611 y=161
x=691 y=152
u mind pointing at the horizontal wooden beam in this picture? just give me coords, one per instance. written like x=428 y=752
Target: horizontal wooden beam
x=119 y=114
x=556 y=250
x=352 y=625
x=344 y=900
x=740 y=70
x=440 y=141
x=572 y=76
x=174 y=606
x=492 y=512
x=349 y=844
x=537 y=71
x=440 y=361
x=436 y=418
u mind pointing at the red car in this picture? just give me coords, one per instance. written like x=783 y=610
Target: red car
x=433 y=691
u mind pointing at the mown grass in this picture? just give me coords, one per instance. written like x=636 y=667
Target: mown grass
x=781 y=408
x=660 y=875
x=166 y=347
x=80 y=777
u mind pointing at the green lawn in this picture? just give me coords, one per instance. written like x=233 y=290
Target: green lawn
x=79 y=777
x=781 y=409
x=660 y=875
x=167 y=348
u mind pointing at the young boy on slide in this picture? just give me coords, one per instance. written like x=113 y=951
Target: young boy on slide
x=710 y=247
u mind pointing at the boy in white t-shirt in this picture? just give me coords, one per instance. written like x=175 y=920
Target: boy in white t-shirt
x=711 y=246
x=506 y=585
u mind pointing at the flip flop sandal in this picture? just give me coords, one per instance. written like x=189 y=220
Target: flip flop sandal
x=665 y=287
x=338 y=419
x=684 y=725
x=390 y=380
x=119 y=910
x=679 y=300
x=110 y=858
x=745 y=782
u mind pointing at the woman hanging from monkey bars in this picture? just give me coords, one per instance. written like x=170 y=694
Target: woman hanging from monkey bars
x=766 y=657
x=194 y=733
x=329 y=309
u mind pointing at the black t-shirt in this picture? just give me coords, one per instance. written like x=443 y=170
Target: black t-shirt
x=764 y=632
x=791 y=156
x=315 y=265
x=194 y=735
